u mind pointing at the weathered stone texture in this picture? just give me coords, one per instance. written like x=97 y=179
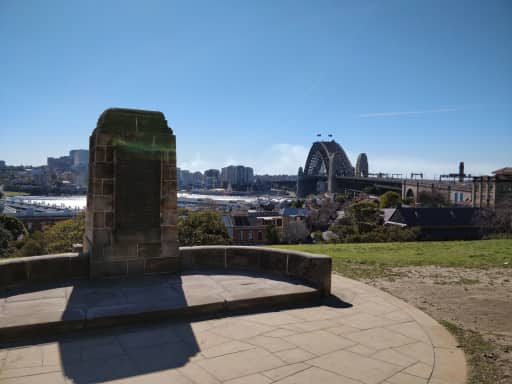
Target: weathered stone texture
x=131 y=201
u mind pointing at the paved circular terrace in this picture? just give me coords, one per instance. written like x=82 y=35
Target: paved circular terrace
x=378 y=339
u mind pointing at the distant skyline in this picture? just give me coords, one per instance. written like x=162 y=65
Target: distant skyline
x=418 y=86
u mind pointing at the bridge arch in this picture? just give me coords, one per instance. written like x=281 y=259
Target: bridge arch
x=409 y=195
x=327 y=158
x=326 y=161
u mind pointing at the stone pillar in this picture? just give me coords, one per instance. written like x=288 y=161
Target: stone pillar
x=131 y=199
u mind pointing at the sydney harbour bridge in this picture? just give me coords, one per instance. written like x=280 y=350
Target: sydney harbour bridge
x=328 y=169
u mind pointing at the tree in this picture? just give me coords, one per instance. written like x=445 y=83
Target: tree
x=13 y=225
x=390 y=199
x=203 y=227
x=272 y=234
x=299 y=203
x=11 y=230
x=60 y=237
x=365 y=212
x=432 y=199
x=5 y=242
x=295 y=232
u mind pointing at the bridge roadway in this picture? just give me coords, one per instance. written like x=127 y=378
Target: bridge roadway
x=339 y=184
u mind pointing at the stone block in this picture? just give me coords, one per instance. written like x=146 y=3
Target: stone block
x=169 y=233
x=169 y=217
x=12 y=273
x=273 y=262
x=203 y=258
x=108 y=269
x=169 y=189
x=109 y=217
x=148 y=250
x=79 y=266
x=314 y=270
x=102 y=203
x=168 y=172
x=108 y=187
x=102 y=236
x=240 y=258
x=103 y=139
x=135 y=267
x=99 y=155
x=49 y=269
x=169 y=202
x=99 y=219
x=162 y=265
x=103 y=170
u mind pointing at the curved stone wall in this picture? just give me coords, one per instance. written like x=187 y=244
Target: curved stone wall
x=314 y=270
x=45 y=268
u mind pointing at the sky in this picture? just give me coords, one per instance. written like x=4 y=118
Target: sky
x=416 y=85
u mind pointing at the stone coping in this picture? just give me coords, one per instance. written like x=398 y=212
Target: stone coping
x=45 y=268
x=312 y=269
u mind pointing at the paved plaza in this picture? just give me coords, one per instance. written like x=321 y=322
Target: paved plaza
x=374 y=339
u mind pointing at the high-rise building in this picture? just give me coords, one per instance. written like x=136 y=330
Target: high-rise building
x=238 y=176
x=211 y=178
x=79 y=157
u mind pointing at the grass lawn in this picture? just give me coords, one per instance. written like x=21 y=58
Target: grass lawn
x=11 y=193
x=367 y=260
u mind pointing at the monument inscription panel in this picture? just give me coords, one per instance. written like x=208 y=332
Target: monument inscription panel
x=137 y=192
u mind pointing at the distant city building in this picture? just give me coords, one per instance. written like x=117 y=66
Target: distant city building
x=493 y=191
x=62 y=163
x=2 y=164
x=79 y=157
x=212 y=178
x=237 y=176
x=197 y=180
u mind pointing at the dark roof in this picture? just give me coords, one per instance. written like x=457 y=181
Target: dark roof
x=244 y=221
x=435 y=217
x=291 y=211
x=241 y=221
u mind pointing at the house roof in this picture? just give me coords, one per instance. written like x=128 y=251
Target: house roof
x=434 y=217
x=290 y=211
x=503 y=171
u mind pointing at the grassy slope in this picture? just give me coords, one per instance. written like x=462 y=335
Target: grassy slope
x=482 y=253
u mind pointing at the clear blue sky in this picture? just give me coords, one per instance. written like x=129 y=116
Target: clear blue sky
x=417 y=85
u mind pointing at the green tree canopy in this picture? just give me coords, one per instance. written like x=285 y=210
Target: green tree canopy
x=204 y=227
x=61 y=236
x=390 y=199
x=13 y=225
x=432 y=199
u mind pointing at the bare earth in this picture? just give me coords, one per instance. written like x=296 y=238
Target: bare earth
x=475 y=299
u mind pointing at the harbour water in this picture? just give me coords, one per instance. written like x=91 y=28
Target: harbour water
x=79 y=202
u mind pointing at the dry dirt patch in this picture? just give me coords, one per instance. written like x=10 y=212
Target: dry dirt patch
x=477 y=300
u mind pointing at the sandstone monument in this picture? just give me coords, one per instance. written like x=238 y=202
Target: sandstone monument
x=131 y=199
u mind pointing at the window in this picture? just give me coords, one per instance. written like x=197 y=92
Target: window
x=241 y=235
x=249 y=235
x=455 y=196
x=260 y=235
x=461 y=196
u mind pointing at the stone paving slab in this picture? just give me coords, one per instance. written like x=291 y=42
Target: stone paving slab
x=317 y=344
x=46 y=309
